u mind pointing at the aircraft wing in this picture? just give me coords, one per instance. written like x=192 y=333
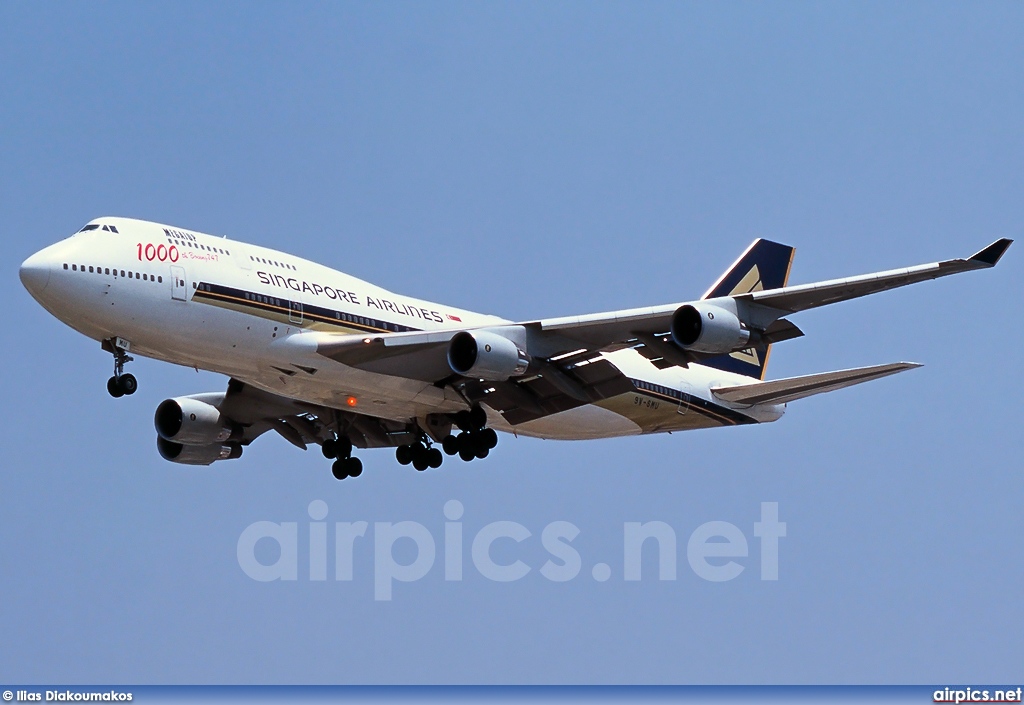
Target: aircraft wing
x=606 y=330
x=255 y=412
x=791 y=299
x=549 y=387
x=568 y=368
x=421 y=355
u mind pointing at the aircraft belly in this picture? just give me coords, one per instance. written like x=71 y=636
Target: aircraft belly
x=334 y=385
x=582 y=423
x=653 y=415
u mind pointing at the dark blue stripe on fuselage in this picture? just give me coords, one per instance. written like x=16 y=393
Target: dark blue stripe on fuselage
x=720 y=413
x=287 y=307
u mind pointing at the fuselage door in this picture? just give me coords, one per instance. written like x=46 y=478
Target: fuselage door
x=179 y=287
x=295 y=312
x=685 y=392
x=240 y=255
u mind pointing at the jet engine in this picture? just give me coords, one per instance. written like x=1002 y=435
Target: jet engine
x=190 y=422
x=197 y=455
x=705 y=328
x=486 y=355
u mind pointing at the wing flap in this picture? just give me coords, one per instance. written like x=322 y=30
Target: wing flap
x=781 y=391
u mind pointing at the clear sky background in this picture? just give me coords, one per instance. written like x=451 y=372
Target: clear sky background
x=529 y=160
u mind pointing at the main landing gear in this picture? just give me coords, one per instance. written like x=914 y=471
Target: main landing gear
x=471 y=444
x=121 y=384
x=475 y=441
x=422 y=455
x=344 y=464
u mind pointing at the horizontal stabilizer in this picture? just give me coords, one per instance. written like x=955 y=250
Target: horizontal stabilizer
x=781 y=391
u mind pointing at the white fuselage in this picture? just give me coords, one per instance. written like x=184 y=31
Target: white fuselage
x=247 y=312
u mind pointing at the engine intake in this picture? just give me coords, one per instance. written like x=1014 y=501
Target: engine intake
x=197 y=455
x=708 y=329
x=486 y=355
x=192 y=422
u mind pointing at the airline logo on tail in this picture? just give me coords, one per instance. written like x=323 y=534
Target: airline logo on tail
x=764 y=265
x=750 y=283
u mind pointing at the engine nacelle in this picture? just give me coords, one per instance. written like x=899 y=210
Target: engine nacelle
x=197 y=455
x=486 y=355
x=191 y=422
x=708 y=329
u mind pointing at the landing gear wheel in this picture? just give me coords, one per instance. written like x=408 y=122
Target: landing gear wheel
x=354 y=466
x=466 y=454
x=489 y=438
x=329 y=448
x=343 y=447
x=434 y=458
x=450 y=445
x=113 y=389
x=482 y=453
x=340 y=469
x=463 y=421
x=127 y=384
x=404 y=455
x=477 y=418
x=120 y=384
x=420 y=462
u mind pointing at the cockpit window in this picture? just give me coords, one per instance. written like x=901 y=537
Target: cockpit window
x=96 y=226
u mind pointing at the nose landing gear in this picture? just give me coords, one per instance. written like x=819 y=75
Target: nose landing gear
x=121 y=384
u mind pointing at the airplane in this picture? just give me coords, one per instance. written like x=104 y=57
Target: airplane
x=324 y=358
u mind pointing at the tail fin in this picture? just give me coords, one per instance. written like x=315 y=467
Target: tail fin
x=764 y=265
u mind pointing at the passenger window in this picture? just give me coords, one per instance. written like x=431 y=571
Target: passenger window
x=122 y=272
x=107 y=271
x=74 y=268
x=65 y=265
x=160 y=280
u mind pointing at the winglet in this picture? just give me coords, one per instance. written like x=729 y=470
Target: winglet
x=991 y=254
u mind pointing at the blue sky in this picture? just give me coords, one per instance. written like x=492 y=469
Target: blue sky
x=530 y=160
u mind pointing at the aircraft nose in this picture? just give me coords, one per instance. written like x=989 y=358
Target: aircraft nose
x=35 y=273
